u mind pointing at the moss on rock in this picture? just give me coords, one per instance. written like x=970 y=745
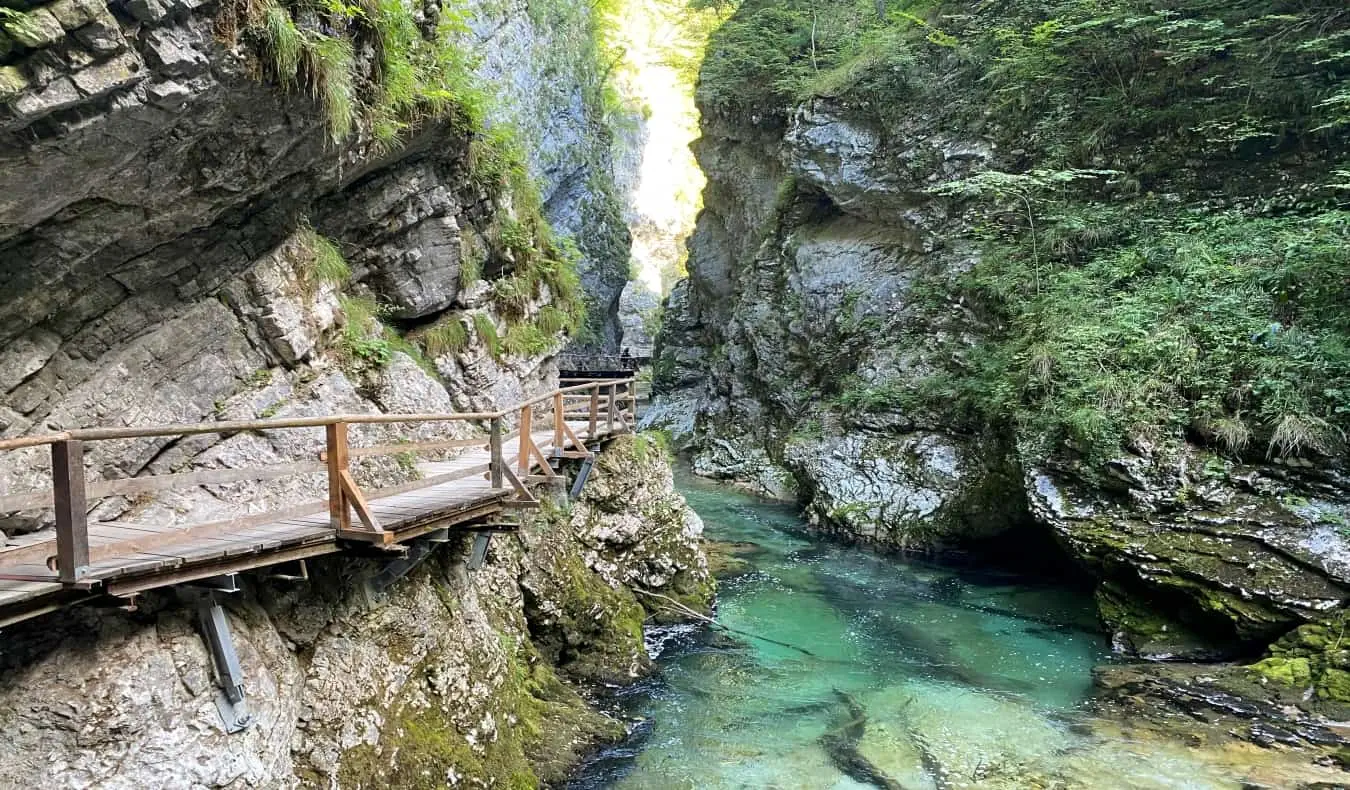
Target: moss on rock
x=1289 y=671
x=644 y=534
x=541 y=729
x=590 y=630
x=1316 y=656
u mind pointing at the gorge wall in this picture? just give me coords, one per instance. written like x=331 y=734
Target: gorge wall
x=171 y=214
x=237 y=210
x=967 y=272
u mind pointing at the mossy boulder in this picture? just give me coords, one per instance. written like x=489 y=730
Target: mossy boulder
x=1295 y=672
x=639 y=530
x=1315 y=656
x=591 y=631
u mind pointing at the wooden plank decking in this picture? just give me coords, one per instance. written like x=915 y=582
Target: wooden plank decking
x=128 y=557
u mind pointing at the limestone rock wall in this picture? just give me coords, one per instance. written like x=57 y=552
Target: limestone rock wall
x=161 y=208
x=800 y=269
x=156 y=262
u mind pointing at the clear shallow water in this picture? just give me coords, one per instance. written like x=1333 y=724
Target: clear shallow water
x=959 y=678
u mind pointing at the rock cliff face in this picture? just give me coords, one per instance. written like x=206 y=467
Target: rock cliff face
x=800 y=270
x=826 y=284
x=448 y=677
x=155 y=191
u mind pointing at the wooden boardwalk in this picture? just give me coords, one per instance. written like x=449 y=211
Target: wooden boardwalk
x=119 y=559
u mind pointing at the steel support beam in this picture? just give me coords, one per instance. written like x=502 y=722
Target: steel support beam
x=478 y=555
x=583 y=474
x=229 y=675
x=397 y=569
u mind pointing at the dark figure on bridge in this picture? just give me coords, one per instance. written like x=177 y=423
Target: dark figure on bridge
x=625 y=360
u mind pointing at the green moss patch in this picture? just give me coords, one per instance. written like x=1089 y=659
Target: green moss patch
x=543 y=728
x=1314 y=656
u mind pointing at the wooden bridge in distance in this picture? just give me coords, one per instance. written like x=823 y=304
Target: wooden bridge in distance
x=91 y=560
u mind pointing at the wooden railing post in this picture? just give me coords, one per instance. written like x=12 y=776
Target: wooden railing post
x=72 y=527
x=495 y=444
x=595 y=409
x=526 y=425
x=558 y=440
x=613 y=404
x=339 y=517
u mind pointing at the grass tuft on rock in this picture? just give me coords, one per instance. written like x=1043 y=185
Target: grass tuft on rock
x=446 y=336
x=326 y=264
x=486 y=330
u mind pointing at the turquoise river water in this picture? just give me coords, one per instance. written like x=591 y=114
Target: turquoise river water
x=935 y=677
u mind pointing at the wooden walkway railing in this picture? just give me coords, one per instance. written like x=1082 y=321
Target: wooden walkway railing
x=489 y=475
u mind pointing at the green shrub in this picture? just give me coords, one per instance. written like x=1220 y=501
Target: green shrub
x=1228 y=326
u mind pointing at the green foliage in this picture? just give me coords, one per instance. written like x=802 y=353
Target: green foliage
x=486 y=329
x=364 y=340
x=1228 y=326
x=449 y=335
x=418 y=74
x=552 y=320
x=1199 y=74
x=1127 y=289
x=651 y=445
x=20 y=27
x=326 y=264
x=513 y=296
x=541 y=262
x=527 y=340
x=283 y=43
x=772 y=54
x=470 y=272
x=514 y=236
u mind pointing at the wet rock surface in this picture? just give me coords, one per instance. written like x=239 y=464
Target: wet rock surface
x=1226 y=698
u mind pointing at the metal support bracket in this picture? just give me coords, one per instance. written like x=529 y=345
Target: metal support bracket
x=397 y=569
x=583 y=474
x=226 y=583
x=229 y=675
x=478 y=555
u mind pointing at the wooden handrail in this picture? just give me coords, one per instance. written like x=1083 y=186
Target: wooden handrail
x=278 y=423
x=69 y=494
